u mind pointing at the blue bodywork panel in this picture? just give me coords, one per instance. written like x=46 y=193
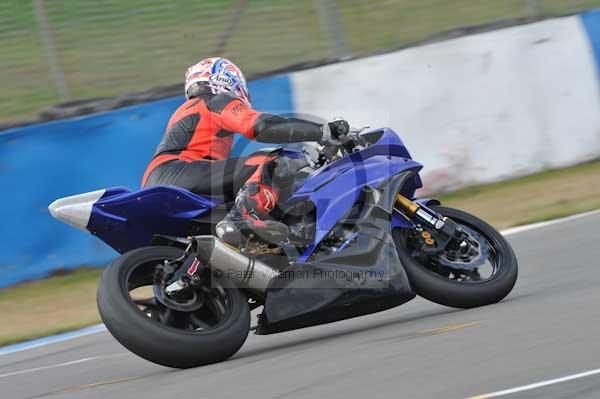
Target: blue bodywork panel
x=335 y=188
x=127 y=220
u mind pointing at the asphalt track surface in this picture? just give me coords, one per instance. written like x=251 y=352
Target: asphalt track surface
x=548 y=328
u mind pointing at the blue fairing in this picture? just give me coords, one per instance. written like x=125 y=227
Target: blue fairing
x=127 y=220
x=335 y=188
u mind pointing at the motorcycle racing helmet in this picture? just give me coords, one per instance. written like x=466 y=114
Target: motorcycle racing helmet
x=216 y=75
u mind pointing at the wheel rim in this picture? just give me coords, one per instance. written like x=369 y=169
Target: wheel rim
x=215 y=311
x=488 y=271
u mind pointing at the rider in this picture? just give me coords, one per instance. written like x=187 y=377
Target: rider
x=194 y=152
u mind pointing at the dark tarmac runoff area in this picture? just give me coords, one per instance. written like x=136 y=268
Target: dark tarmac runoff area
x=542 y=341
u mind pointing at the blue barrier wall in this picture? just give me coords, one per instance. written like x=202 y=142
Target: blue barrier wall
x=40 y=163
x=591 y=22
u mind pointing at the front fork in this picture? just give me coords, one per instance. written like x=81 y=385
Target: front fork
x=446 y=231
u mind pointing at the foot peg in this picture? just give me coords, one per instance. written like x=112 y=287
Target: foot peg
x=237 y=232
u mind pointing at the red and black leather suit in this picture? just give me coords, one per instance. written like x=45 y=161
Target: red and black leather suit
x=195 y=148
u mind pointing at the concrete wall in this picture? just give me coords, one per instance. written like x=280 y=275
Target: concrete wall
x=475 y=109
x=479 y=108
x=43 y=162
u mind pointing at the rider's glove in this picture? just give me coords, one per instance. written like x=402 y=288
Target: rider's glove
x=333 y=131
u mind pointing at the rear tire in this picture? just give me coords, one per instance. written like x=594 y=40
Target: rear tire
x=157 y=342
x=438 y=289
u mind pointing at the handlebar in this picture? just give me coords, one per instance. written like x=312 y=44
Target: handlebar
x=319 y=155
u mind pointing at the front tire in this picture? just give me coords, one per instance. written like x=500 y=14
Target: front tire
x=160 y=343
x=439 y=289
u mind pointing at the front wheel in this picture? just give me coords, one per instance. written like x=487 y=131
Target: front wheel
x=446 y=281
x=210 y=332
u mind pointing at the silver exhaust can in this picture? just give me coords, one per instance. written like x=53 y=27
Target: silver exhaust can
x=226 y=261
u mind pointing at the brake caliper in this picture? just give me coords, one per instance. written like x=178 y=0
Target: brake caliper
x=442 y=230
x=175 y=283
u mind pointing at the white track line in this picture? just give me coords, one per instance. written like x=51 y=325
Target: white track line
x=535 y=226
x=99 y=328
x=536 y=385
x=53 y=366
x=52 y=339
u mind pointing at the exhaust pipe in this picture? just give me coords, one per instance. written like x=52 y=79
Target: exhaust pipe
x=227 y=262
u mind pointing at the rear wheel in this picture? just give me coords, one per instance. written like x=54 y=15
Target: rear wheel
x=449 y=279
x=213 y=331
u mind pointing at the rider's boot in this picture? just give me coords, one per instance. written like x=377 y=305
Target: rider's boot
x=249 y=215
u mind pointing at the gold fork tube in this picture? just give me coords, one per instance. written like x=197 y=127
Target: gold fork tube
x=406 y=205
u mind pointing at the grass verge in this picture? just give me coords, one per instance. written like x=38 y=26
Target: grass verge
x=49 y=306
x=114 y=47
x=67 y=302
x=534 y=198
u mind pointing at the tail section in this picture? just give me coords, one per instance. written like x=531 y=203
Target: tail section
x=126 y=220
x=76 y=210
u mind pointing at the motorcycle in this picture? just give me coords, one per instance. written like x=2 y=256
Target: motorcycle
x=359 y=243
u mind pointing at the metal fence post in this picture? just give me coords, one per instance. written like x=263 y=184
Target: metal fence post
x=41 y=14
x=238 y=10
x=534 y=7
x=331 y=25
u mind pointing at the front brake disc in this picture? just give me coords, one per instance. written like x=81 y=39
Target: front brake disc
x=473 y=254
